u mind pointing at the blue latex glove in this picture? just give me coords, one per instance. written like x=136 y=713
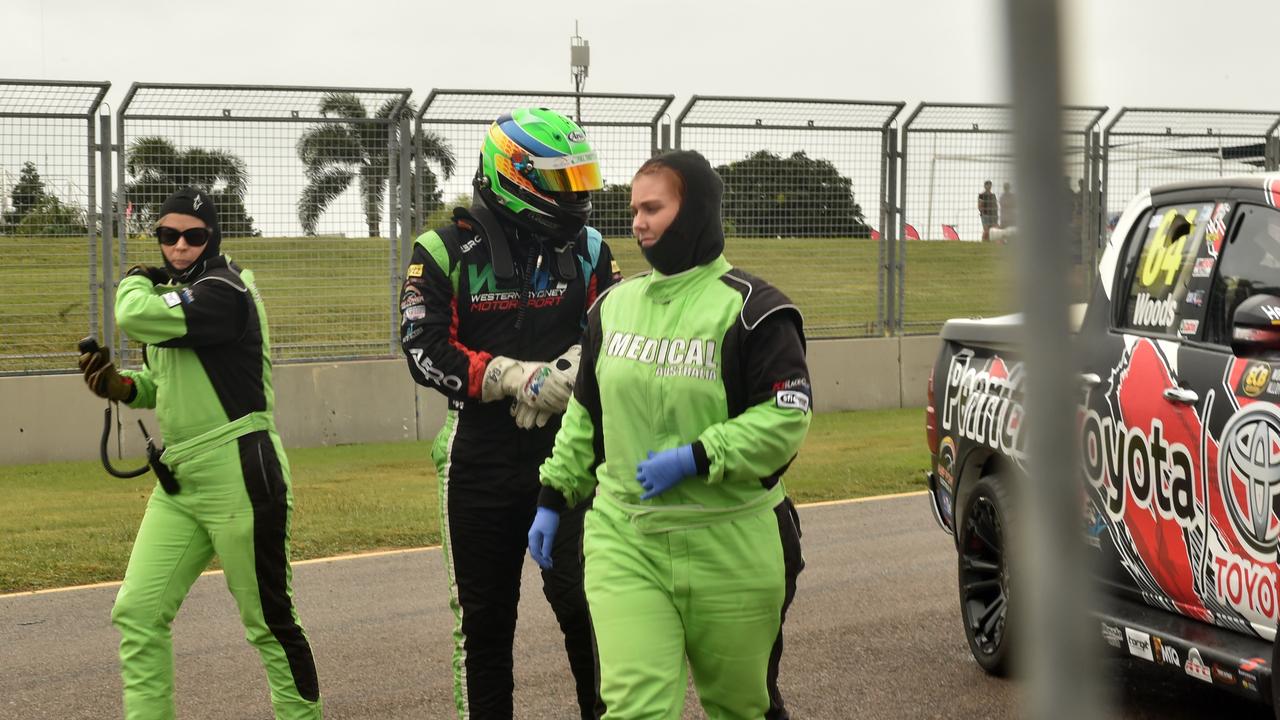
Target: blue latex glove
x=542 y=533
x=663 y=470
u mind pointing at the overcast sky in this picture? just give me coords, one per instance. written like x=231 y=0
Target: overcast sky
x=1120 y=52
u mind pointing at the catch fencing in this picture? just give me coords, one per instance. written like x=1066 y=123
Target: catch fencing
x=808 y=199
x=307 y=188
x=950 y=152
x=49 y=224
x=1144 y=147
x=872 y=228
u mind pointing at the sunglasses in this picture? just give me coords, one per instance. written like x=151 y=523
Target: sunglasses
x=195 y=236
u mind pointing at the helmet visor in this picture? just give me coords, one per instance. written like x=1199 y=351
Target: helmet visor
x=569 y=173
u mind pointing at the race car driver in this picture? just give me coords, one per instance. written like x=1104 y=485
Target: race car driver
x=493 y=310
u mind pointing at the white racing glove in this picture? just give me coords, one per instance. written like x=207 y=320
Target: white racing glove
x=504 y=377
x=550 y=386
x=547 y=390
x=528 y=416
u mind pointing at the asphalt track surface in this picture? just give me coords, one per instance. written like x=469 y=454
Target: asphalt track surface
x=874 y=633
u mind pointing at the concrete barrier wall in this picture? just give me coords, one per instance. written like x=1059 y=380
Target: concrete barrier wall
x=917 y=357
x=855 y=374
x=53 y=417
x=48 y=418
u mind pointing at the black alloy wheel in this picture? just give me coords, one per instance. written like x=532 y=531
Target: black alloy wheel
x=984 y=574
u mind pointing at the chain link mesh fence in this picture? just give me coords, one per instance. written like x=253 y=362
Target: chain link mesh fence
x=960 y=208
x=623 y=130
x=805 y=189
x=1145 y=147
x=48 y=222
x=306 y=184
x=316 y=189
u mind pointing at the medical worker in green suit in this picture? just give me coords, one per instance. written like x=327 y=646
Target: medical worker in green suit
x=207 y=372
x=692 y=400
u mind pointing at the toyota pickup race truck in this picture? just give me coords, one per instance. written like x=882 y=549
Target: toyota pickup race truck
x=1179 y=436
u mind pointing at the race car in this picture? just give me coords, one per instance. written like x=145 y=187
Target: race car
x=1179 y=434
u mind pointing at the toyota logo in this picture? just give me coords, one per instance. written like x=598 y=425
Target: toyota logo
x=1249 y=472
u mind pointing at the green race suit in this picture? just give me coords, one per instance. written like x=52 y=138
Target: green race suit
x=207 y=372
x=715 y=358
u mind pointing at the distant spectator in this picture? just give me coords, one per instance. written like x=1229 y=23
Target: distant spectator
x=988 y=210
x=1077 y=198
x=1078 y=205
x=1008 y=207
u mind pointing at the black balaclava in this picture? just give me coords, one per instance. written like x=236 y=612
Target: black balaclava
x=696 y=235
x=196 y=203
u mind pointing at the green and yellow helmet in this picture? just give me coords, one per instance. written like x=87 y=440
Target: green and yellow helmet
x=537 y=165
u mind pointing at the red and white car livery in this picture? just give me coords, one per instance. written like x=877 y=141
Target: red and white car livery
x=1179 y=426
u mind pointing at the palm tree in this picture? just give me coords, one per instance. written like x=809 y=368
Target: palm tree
x=337 y=153
x=158 y=168
x=425 y=192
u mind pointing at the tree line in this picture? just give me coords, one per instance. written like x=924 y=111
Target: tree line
x=765 y=195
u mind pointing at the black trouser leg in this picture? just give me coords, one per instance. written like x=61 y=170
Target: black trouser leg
x=562 y=585
x=789 y=530
x=487 y=545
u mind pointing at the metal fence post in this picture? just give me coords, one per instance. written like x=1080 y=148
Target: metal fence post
x=408 y=185
x=122 y=206
x=1087 y=235
x=897 y=317
x=891 y=236
x=900 y=285
x=419 y=164
x=108 y=231
x=394 y=246
x=91 y=222
x=684 y=112
x=885 y=219
x=1104 y=175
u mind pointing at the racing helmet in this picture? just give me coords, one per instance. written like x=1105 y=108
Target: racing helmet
x=537 y=168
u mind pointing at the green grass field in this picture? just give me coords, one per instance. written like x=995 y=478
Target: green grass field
x=70 y=523
x=332 y=297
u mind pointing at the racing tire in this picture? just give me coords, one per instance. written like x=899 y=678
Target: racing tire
x=983 y=574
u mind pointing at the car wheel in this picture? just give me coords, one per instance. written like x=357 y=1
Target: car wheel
x=984 y=573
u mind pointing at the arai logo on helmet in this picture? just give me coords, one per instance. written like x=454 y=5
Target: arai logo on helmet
x=577 y=136
x=1249 y=476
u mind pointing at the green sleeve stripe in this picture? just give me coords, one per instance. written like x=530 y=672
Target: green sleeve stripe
x=434 y=245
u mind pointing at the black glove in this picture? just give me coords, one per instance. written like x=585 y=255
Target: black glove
x=101 y=376
x=157 y=276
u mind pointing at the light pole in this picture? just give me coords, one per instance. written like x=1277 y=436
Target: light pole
x=579 y=61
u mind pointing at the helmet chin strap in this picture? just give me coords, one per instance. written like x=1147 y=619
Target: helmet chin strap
x=504 y=268
x=565 y=269
x=494 y=231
